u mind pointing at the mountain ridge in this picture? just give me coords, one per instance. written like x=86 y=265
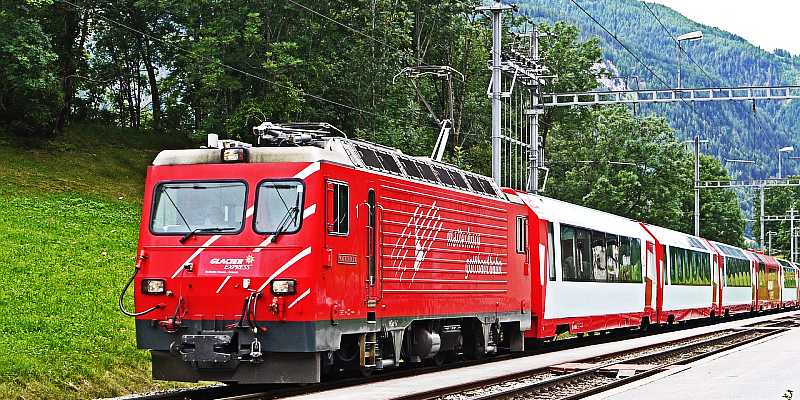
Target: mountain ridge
x=722 y=59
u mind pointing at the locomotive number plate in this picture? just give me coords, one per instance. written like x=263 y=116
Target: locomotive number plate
x=346 y=259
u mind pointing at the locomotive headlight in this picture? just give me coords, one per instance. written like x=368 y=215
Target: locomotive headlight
x=283 y=287
x=234 y=154
x=153 y=286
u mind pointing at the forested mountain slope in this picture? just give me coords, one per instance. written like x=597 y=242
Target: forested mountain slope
x=735 y=130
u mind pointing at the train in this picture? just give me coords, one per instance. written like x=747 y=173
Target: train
x=311 y=253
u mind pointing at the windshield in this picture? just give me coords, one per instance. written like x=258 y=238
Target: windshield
x=279 y=207
x=185 y=207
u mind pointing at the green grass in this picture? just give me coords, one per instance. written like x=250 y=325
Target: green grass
x=69 y=216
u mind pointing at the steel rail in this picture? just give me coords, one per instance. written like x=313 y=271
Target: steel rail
x=533 y=388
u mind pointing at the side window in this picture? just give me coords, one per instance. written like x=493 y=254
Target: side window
x=583 y=253
x=599 y=255
x=339 y=218
x=612 y=257
x=567 y=253
x=551 y=257
x=522 y=234
x=636 y=261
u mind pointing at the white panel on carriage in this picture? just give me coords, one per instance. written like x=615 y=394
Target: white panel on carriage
x=566 y=213
x=680 y=297
x=732 y=296
x=586 y=299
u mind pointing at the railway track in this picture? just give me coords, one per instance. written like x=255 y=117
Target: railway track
x=600 y=374
x=549 y=377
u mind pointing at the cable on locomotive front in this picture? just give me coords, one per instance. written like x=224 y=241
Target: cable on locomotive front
x=122 y=296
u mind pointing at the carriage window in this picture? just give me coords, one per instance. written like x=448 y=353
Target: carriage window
x=612 y=258
x=789 y=278
x=279 y=207
x=599 y=255
x=737 y=272
x=551 y=258
x=200 y=207
x=583 y=253
x=339 y=222
x=568 y=253
x=522 y=234
x=636 y=261
x=689 y=267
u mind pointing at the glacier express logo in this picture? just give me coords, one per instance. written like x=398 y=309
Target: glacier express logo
x=423 y=228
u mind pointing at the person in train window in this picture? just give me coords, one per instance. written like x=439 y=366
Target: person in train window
x=612 y=258
x=584 y=255
x=599 y=256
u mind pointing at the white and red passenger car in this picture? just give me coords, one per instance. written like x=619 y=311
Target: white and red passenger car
x=313 y=253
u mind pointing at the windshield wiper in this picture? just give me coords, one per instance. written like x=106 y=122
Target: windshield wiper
x=204 y=230
x=284 y=225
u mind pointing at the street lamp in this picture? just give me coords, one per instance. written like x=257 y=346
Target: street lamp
x=770 y=234
x=688 y=37
x=787 y=149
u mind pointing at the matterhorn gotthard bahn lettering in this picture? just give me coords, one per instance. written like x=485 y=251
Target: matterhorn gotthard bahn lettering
x=424 y=228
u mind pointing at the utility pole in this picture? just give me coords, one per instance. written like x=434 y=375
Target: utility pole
x=697 y=185
x=497 y=9
x=761 y=231
x=697 y=181
x=791 y=234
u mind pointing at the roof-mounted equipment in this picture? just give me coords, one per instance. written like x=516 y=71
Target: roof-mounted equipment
x=293 y=134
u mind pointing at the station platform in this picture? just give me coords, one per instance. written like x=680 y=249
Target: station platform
x=766 y=369
x=437 y=380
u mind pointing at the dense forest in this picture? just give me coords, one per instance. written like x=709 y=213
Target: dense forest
x=189 y=68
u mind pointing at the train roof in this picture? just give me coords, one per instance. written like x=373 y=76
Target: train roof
x=730 y=251
x=583 y=217
x=678 y=239
x=349 y=152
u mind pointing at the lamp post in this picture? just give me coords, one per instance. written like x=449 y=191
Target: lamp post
x=770 y=234
x=688 y=37
x=697 y=141
x=787 y=149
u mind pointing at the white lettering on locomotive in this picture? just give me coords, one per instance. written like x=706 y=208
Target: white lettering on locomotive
x=463 y=239
x=488 y=266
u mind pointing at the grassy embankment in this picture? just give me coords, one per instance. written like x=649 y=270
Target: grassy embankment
x=69 y=220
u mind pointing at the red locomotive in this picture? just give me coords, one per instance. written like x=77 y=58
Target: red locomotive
x=313 y=252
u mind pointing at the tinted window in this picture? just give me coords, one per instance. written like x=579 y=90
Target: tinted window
x=369 y=157
x=443 y=175
x=487 y=187
x=427 y=172
x=459 y=180
x=475 y=183
x=411 y=168
x=388 y=162
x=279 y=207
x=599 y=255
x=568 y=253
x=184 y=207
